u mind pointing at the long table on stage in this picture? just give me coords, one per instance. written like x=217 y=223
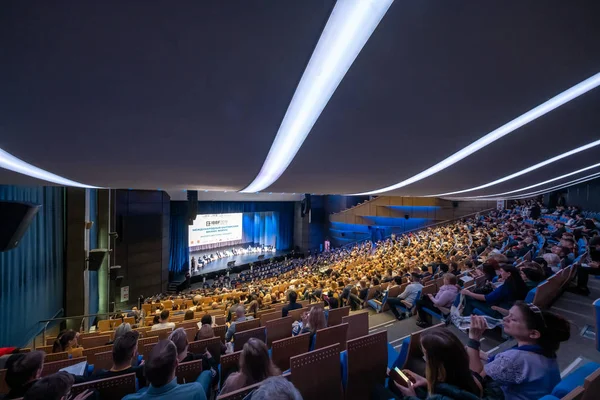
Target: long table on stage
x=241 y=261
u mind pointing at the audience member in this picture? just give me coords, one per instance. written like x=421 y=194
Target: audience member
x=209 y=364
x=160 y=373
x=276 y=388
x=55 y=387
x=409 y=295
x=240 y=313
x=164 y=322
x=528 y=371
x=67 y=341
x=444 y=298
x=124 y=355
x=22 y=371
x=255 y=366
x=292 y=305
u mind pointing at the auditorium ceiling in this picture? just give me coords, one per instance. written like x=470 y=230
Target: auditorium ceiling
x=191 y=95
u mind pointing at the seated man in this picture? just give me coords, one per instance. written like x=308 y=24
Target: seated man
x=163 y=322
x=125 y=350
x=292 y=305
x=23 y=370
x=409 y=295
x=240 y=312
x=160 y=373
x=56 y=386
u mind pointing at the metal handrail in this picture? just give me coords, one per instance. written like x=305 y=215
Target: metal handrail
x=47 y=321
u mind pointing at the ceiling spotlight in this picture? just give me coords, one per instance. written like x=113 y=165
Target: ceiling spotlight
x=350 y=25
x=10 y=162
x=531 y=115
x=524 y=171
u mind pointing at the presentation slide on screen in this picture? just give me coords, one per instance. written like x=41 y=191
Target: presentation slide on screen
x=215 y=228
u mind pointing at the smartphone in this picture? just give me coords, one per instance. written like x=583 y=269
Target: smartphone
x=400 y=377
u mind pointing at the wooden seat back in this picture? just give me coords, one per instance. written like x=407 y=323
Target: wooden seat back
x=89 y=353
x=592 y=386
x=229 y=363
x=414 y=358
x=239 y=394
x=336 y=315
x=50 y=368
x=246 y=325
x=161 y=333
x=63 y=355
x=190 y=333
x=297 y=313
x=241 y=338
x=95 y=341
x=146 y=340
x=116 y=387
x=45 y=349
x=188 y=371
x=335 y=334
x=358 y=325
x=284 y=349
x=213 y=345
x=220 y=331
x=102 y=360
x=367 y=364
x=104 y=325
x=317 y=374
x=264 y=318
x=147 y=349
x=279 y=328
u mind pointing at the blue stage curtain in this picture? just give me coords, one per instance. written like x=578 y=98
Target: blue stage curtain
x=278 y=229
x=179 y=252
x=31 y=275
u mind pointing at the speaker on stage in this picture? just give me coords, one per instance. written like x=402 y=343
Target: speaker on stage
x=192 y=208
x=96 y=258
x=15 y=218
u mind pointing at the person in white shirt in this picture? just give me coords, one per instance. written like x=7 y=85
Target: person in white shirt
x=164 y=322
x=409 y=295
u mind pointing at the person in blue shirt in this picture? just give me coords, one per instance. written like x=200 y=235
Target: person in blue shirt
x=512 y=289
x=160 y=373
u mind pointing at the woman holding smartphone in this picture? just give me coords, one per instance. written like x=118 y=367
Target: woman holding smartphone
x=447 y=376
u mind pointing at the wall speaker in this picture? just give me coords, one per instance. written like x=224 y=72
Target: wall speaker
x=96 y=258
x=15 y=218
x=192 y=208
x=455 y=204
x=114 y=272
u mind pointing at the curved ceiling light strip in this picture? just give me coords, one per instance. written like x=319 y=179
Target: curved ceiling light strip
x=538 y=192
x=544 y=108
x=536 y=185
x=523 y=171
x=10 y=162
x=350 y=25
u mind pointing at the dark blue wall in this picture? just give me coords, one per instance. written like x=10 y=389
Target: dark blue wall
x=31 y=275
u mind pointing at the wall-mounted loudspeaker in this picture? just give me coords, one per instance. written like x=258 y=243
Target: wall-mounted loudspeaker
x=192 y=208
x=96 y=258
x=15 y=218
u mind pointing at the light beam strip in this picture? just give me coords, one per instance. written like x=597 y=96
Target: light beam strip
x=10 y=162
x=524 y=171
x=537 y=184
x=538 y=192
x=350 y=25
x=544 y=108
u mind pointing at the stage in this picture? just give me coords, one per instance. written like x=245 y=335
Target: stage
x=242 y=262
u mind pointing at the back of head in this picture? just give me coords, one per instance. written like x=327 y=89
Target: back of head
x=447 y=361
x=316 y=319
x=293 y=296
x=516 y=282
x=23 y=367
x=255 y=363
x=206 y=320
x=276 y=388
x=398 y=280
x=240 y=311
x=122 y=329
x=179 y=337
x=161 y=364
x=62 y=340
x=53 y=387
x=189 y=314
x=125 y=347
x=450 y=278
x=415 y=277
x=164 y=315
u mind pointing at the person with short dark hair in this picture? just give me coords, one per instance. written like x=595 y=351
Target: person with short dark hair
x=160 y=373
x=409 y=295
x=292 y=305
x=189 y=314
x=55 y=387
x=22 y=371
x=164 y=322
x=209 y=364
x=124 y=353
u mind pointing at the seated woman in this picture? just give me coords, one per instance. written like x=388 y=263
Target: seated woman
x=444 y=298
x=67 y=341
x=528 y=371
x=311 y=322
x=531 y=276
x=255 y=366
x=512 y=289
x=447 y=372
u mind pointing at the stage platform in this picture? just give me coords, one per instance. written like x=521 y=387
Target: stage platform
x=242 y=261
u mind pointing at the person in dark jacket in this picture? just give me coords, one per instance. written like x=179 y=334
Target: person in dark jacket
x=22 y=371
x=292 y=305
